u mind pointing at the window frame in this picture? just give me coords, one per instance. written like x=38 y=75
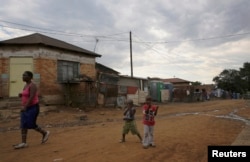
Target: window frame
x=67 y=71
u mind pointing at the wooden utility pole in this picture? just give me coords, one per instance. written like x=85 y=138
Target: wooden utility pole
x=131 y=58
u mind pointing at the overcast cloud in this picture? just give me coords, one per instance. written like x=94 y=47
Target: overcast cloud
x=190 y=39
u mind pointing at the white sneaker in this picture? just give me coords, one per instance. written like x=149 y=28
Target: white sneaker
x=20 y=145
x=45 y=137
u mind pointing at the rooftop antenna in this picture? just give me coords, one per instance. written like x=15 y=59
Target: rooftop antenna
x=96 y=41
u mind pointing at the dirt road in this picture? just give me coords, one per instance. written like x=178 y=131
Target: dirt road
x=182 y=133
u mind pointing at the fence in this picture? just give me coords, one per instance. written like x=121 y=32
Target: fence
x=92 y=94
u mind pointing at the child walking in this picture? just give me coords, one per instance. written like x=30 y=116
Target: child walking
x=149 y=113
x=129 y=118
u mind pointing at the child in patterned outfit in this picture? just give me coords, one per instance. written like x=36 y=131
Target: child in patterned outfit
x=129 y=118
x=149 y=113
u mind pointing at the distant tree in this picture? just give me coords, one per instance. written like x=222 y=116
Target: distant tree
x=230 y=80
x=234 y=80
x=245 y=75
x=196 y=83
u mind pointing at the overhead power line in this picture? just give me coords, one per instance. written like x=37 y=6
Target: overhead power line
x=58 y=32
x=192 y=40
x=163 y=54
x=110 y=37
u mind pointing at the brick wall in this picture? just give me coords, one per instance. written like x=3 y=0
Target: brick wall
x=89 y=70
x=1 y=65
x=4 y=82
x=50 y=91
x=4 y=65
x=47 y=69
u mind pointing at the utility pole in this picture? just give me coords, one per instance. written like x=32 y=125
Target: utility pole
x=131 y=58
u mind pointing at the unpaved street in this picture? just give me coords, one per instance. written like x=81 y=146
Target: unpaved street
x=182 y=133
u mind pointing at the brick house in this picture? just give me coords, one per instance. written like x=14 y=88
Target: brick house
x=54 y=63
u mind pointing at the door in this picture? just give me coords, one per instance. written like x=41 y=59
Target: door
x=17 y=67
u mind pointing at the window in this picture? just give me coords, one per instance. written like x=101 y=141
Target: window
x=67 y=71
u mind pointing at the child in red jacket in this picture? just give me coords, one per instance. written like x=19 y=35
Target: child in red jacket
x=149 y=112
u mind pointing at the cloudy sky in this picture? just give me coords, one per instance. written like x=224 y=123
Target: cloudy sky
x=189 y=39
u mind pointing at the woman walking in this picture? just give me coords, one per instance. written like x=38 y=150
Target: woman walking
x=29 y=111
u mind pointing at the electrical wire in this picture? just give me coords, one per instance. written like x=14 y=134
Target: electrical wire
x=111 y=37
x=57 y=32
x=162 y=54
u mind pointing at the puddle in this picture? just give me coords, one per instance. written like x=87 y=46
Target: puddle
x=232 y=116
x=183 y=114
x=178 y=114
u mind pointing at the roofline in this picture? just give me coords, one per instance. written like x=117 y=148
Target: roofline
x=132 y=77
x=47 y=45
x=39 y=40
x=107 y=67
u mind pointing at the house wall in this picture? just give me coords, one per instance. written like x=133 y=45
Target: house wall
x=181 y=84
x=45 y=68
x=88 y=69
x=4 y=81
x=4 y=65
x=142 y=84
x=134 y=90
x=124 y=81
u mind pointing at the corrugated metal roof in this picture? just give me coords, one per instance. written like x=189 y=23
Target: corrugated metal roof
x=38 y=38
x=127 y=76
x=175 y=80
x=106 y=69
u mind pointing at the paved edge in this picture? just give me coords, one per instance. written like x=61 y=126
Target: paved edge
x=243 y=139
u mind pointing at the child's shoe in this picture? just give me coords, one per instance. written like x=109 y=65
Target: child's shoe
x=20 y=145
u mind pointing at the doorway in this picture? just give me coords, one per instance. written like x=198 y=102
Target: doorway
x=17 y=66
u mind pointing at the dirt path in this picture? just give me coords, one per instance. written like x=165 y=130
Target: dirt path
x=182 y=133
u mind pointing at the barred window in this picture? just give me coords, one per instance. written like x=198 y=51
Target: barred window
x=67 y=71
